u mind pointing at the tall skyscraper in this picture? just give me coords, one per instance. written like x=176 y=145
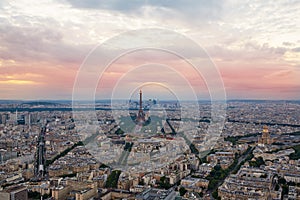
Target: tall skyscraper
x=141 y=115
x=141 y=118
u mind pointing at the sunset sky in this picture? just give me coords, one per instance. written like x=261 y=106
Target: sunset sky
x=254 y=44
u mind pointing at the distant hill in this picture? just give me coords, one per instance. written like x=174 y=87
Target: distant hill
x=42 y=103
x=10 y=101
x=262 y=101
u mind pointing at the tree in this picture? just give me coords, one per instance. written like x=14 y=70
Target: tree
x=34 y=195
x=112 y=180
x=194 y=150
x=296 y=155
x=215 y=194
x=164 y=183
x=182 y=191
x=119 y=131
x=257 y=163
x=45 y=196
x=281 y=180
x=285 y=189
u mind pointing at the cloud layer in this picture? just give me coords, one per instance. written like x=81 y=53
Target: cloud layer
x=255 y=44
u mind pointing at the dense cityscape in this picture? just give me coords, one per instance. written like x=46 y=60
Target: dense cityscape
x=44 y=155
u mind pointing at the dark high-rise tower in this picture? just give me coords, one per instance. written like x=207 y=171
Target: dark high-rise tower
x=140 y=118
x=141 y=115
x=141 y=103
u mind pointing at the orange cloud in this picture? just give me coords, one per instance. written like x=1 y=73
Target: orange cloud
x=19 y=82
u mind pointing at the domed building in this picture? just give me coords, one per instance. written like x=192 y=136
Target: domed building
x=265 y=137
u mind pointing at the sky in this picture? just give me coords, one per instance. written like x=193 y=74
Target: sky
x=254 y=45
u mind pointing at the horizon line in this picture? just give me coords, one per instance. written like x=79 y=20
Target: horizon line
x=107 y=99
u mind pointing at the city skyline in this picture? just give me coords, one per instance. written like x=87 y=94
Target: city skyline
x=255 y=45
x=139 y=100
